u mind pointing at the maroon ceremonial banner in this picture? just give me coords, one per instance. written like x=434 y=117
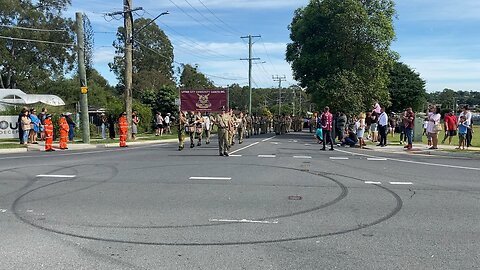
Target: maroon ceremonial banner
x=203 y=100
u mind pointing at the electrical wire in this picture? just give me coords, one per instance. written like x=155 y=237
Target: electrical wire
x=40 y=41
x=205 y=17
x=32 y=29
x=193 y=18
x=220 y=20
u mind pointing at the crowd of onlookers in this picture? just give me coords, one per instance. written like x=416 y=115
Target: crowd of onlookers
x=375 y=125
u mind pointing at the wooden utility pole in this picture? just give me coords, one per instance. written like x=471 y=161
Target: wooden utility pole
x=128 y=22
x=279 y=80
x=250 y=70
x=82 y=74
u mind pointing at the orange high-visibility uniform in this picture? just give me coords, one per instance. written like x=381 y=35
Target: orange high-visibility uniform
x=48 y=125
x=123 y=125
x=64 y=128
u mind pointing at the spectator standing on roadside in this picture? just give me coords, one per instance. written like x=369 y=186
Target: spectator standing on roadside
x=42 y=116
x=462 y=132
x=468 y=120
x=167 y=122
x=409 y=120
x=433 y=124
x=392 y=124
x=111 y=127
x=401 y=126
x=26 y=124
x=382 y=127
x=71 y=126
x=123 y=128
x=450 y=124
x=326 y=121
x=103 y=121
x=35 y=126
x=374 y=126
x=340 y=124
x=361 y=129
x=48 y=124
x=158 y=124
x=135 y=122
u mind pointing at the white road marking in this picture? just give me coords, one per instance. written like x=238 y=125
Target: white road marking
x=243 y=148
x=267 y=156
x=339 y=158
x=295 y=141
x=3 y=210
x=276 y=143
x=29 y=211
x=302 y=157
x=244 y=221
x=401 y=183
x=377 y=159
x=267 y=139
x=414 y=162
x=234 y=155
x=56 y=176
x=307 y=144
x=373 y=183
x=209 y=178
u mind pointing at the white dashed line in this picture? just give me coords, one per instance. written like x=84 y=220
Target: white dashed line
x=339 y=158
x=243 y=148
x=3 y=210
x=275 y=143
x=267 y=139
x=302 y=157
x=244 y=221
x=267 y=156
x=377 y=159
x=307 y=144
x=373 y=183
x=234 y=155
x=56 y=176
x=401 y=183
x=209 y=178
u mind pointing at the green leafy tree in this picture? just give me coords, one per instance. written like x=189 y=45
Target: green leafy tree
x=406 y=88
x=191 y=78
x=152 y=58
x=16 y=56
x=340 y=51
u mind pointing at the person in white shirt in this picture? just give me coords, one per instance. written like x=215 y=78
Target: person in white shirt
x=433 y=120
x=166 y=120
x=468 y=121
x=207 y=126
x=382 y=127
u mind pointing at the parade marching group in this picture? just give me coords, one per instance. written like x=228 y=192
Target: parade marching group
x=231 y=126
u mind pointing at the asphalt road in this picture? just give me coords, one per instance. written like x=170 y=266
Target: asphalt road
x=276 y=203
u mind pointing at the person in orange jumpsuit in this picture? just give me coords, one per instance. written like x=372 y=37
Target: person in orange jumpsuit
x=123 y=126
x=48 y=128
x=62 y=123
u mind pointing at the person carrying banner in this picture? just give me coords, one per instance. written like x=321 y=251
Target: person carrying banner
x=123 y=127
x=64 y=129
x=48 y=128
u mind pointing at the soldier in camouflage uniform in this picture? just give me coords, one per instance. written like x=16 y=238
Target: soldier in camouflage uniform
x=223 y=123
x=182 y=122
x=240 y=127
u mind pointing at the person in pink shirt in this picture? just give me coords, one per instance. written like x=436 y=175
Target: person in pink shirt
x=326 y=121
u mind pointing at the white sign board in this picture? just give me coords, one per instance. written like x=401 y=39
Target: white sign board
x=8 y=127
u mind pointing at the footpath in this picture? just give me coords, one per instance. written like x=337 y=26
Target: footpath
x=40 y=147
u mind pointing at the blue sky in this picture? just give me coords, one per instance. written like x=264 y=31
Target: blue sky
x=439 y=39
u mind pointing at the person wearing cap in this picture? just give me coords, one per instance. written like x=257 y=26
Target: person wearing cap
x=64 y=129
x=48 y=127
x=224 y=123
x=123 y=127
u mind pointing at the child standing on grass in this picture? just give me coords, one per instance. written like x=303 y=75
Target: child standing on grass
x=462 y=133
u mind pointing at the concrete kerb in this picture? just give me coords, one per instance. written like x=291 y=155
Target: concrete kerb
x=422 y=149
x=80 y=146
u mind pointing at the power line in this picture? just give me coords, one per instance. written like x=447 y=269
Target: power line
x=205 y=17
x=176 y=62
x=220 y=20
x=193 y=18
x=39 y=41
x=32 y=29
x=268 y=55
